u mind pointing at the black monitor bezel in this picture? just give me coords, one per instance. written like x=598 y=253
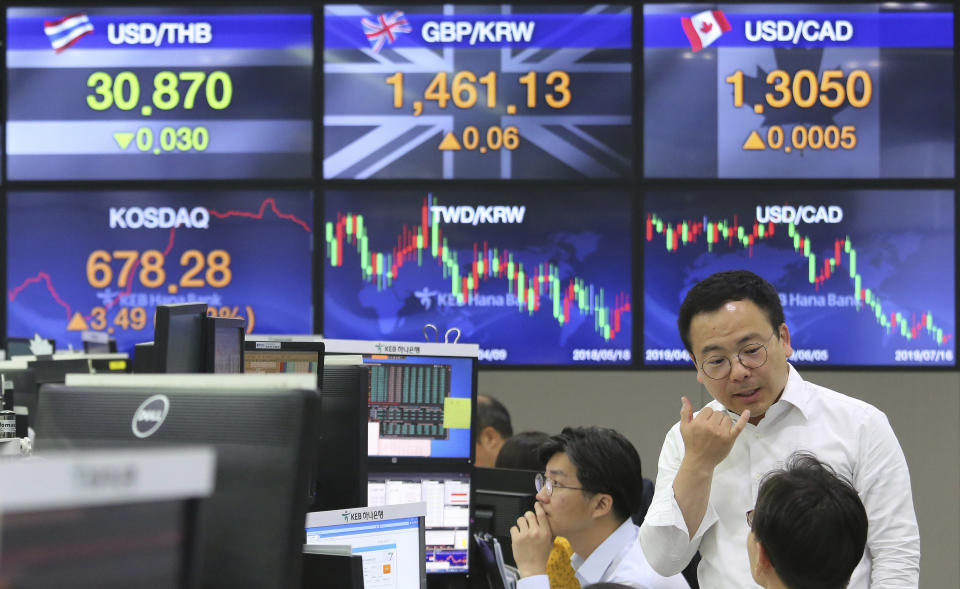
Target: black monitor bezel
x=210 y=326
x=161 y=333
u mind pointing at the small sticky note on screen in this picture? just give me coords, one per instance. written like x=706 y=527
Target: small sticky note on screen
x=456 y=413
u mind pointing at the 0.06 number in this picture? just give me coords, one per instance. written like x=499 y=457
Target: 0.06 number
x=123 y=90
x=126 y=318
x=152 y=273
x=508 y=138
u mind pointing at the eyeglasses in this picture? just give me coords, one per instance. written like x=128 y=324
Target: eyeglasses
x=544 y=482
x=752 y=355
x=750 y=519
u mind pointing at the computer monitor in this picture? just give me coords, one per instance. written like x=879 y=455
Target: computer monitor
x=98 y=342
x=24 y=392
x=178 y=337
x=390 y=538
x=422 y=398
x=447 y=495
x=110 y=519
x=223 y=344
x=342 y=469
x=266 y=440
x=500 y=496
x=143 y=358
x=283 y=355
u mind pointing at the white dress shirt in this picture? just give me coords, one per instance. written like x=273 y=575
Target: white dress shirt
x=618 y=559
x=853 y=437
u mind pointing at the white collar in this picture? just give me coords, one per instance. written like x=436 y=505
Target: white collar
x=606 y=556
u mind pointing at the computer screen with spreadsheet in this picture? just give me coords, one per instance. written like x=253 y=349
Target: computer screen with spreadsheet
x=281 y=355
x=421 y=397
x=389 y=538
x=447 y=498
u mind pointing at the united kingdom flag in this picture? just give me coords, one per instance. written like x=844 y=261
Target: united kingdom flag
x=385 y=29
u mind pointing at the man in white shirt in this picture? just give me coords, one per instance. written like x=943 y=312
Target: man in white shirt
x=592 y=485
x=711 y=464
x=808 y=529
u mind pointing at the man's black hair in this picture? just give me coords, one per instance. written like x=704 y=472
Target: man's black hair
x=491 y=412
x=811 y=524
x=522 y=451
x=712 y=292
x=606 y=462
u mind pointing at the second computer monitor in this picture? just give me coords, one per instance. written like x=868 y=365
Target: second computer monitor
x=447 y=495
x=276 y=355
x=390 y=538
x=223 y=342
x=421 y=397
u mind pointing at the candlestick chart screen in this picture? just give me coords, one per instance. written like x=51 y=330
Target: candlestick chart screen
x=866 y=277
x=534 y=278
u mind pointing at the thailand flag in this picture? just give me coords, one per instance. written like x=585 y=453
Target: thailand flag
x=704 y=28
x=68 y=30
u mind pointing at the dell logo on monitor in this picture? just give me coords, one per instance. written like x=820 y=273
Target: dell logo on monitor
x=149 y=416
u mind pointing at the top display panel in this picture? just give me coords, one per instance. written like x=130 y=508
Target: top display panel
x=799 y=91
x=158 y=93
x=450 y=91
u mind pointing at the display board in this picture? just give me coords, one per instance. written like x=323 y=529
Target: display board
x=866 y=277
x=477 y=91
x=535 y=277
x=103 y=261
x=799 y=90
x=158 y=93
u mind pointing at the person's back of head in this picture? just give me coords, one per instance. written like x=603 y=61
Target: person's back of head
x=522 y=451
x=809 y=527
x=493 y=428
x=606 y=462
x=733 y=285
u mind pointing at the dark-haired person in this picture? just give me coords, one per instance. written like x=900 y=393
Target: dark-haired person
x=522 y=451
x=732 y=324
x=808 y=528
x=493 y=428
x=591 y=486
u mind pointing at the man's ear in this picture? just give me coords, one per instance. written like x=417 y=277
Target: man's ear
x=603 y=504
x=764 y=566
x=488 y=436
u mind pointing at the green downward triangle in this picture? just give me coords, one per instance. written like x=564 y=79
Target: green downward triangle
x=123 y=139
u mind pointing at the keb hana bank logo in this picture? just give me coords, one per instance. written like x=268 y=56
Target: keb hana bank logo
x=704 y=28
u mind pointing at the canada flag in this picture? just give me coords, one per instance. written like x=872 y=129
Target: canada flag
x=704 y=28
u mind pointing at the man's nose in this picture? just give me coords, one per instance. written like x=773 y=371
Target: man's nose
x=542 y=496
x=738 y=371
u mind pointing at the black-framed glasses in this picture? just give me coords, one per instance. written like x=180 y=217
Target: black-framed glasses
x=752 y=355
x=750 y=519
x=545 y=482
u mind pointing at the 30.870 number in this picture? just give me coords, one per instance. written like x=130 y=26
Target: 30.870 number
x=123 y=90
